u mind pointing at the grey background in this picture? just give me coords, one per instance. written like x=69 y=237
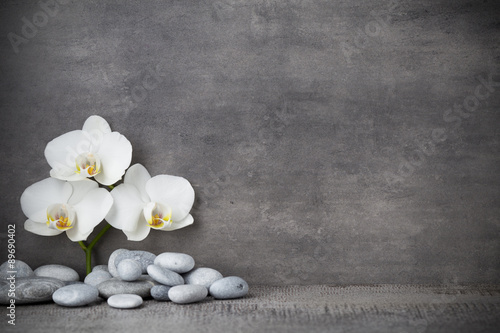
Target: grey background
x=316 y=133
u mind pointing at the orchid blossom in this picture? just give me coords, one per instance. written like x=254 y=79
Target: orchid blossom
x=143 y=203
x=55 y=206
x=93 y=151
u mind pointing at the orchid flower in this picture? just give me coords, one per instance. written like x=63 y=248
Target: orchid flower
x=55 y=206
x=143 y=203
x=93 y=151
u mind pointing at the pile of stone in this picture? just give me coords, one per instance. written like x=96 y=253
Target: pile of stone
x=127 y=279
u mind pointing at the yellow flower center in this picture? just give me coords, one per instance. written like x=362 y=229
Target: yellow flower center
x=157 y=215
x=88 y=164
x=60 y=217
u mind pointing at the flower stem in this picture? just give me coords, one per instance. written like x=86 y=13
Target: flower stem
x=88 y=248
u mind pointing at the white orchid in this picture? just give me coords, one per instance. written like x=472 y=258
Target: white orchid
x=143 y=203
x=93 y=151
x=55 y=206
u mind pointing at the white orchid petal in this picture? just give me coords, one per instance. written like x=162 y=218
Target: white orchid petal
x=80 y=190
x=92 y=209
x=140 y=233
x=172 y=191
x=96 y=123
x=188 y=220
x=75 y=235
x=137 y=175
x=61 y=153
x=127 y=208
x=37 y=197
x=40 y=228
x=115 y=153
x=67 y=174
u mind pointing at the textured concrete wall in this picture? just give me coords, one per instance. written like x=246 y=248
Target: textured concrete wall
x=328 y=142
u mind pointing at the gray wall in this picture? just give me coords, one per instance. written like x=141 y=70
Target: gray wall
x=327 y=141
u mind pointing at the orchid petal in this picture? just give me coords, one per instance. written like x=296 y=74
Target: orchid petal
x=115 y=153
x=172 y=191
x=188 y=220
x=80 y=190
x=96 y=123
x=40 y=228
x=75 y=235
x=92 y=209
x=141 y=232
x=127 y=208
x=37 y=197
x=138 y=176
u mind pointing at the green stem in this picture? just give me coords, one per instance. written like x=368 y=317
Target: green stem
x=88 y=248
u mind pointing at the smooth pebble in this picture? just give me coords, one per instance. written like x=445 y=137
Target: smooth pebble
x=203 y=276
x=111 y=261
x=94 y=278
x=21 y=268
x=165 y=276
x=160 y=293
x=30 y=290
x=61 y=272
x=176 y=262
x=187 y=293
x=144 y=258
x=75 y=295
x=229 y=287
x=98 y=268
x=114 y=286
x=125 y=301
x=129 y=270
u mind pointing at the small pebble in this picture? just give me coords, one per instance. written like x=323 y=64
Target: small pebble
x=203 y=276
x=111 y=261
x=160 y=293
x=176 y=262
x=30 y=290
x=75 y=295
x=21 y=268
x=129 y=270
x=100 y=268
x=114 y=286
x=125 y=301
x=229 y=287
x=96 y=277
x=187 y=293
x=61 y=272
x=165 y=276
x=144 y=258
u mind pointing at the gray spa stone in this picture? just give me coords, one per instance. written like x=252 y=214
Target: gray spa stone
x=129 y=270
x=75 y=295
x=100 y=268
x=187 y=293
x=61 y=272
x=20 y=268
x=94 y=278
x=160 y=293
x=229 y=287
x=125 y=301
x=115 y=286
x=111 y=261
x=144 y=258
x=165 y=276
x=203 y=276
x=29 y=290
x=176 y=262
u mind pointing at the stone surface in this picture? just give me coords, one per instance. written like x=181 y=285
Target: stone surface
x=75 y=295
x=100 y=268
x=20 y=269
x=229 y=287
x=160 y=293
x=30 y=290
x=202 y=276
x=187 y=293
x=176 y=262
x=165 y=276
x=96 y=277
x=129 y=270
x=144 y=258
x=125 y=301
x=61 y=272
x=114 y=286
x=111 y=261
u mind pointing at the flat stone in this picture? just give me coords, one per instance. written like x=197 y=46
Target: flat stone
x=61 y=272
x=203 y=276
x=115 y=286
x=111 y=261
x=20 y=269
x=30 y=290
x=229 y=287
x=144 y=258
x=94 y=278
x=187 y=293
x=129 y=270
x=125 y=301
x=100 y=268
x=75 y=295
x=176 y=262
x=160 y=293
x=165 y=276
